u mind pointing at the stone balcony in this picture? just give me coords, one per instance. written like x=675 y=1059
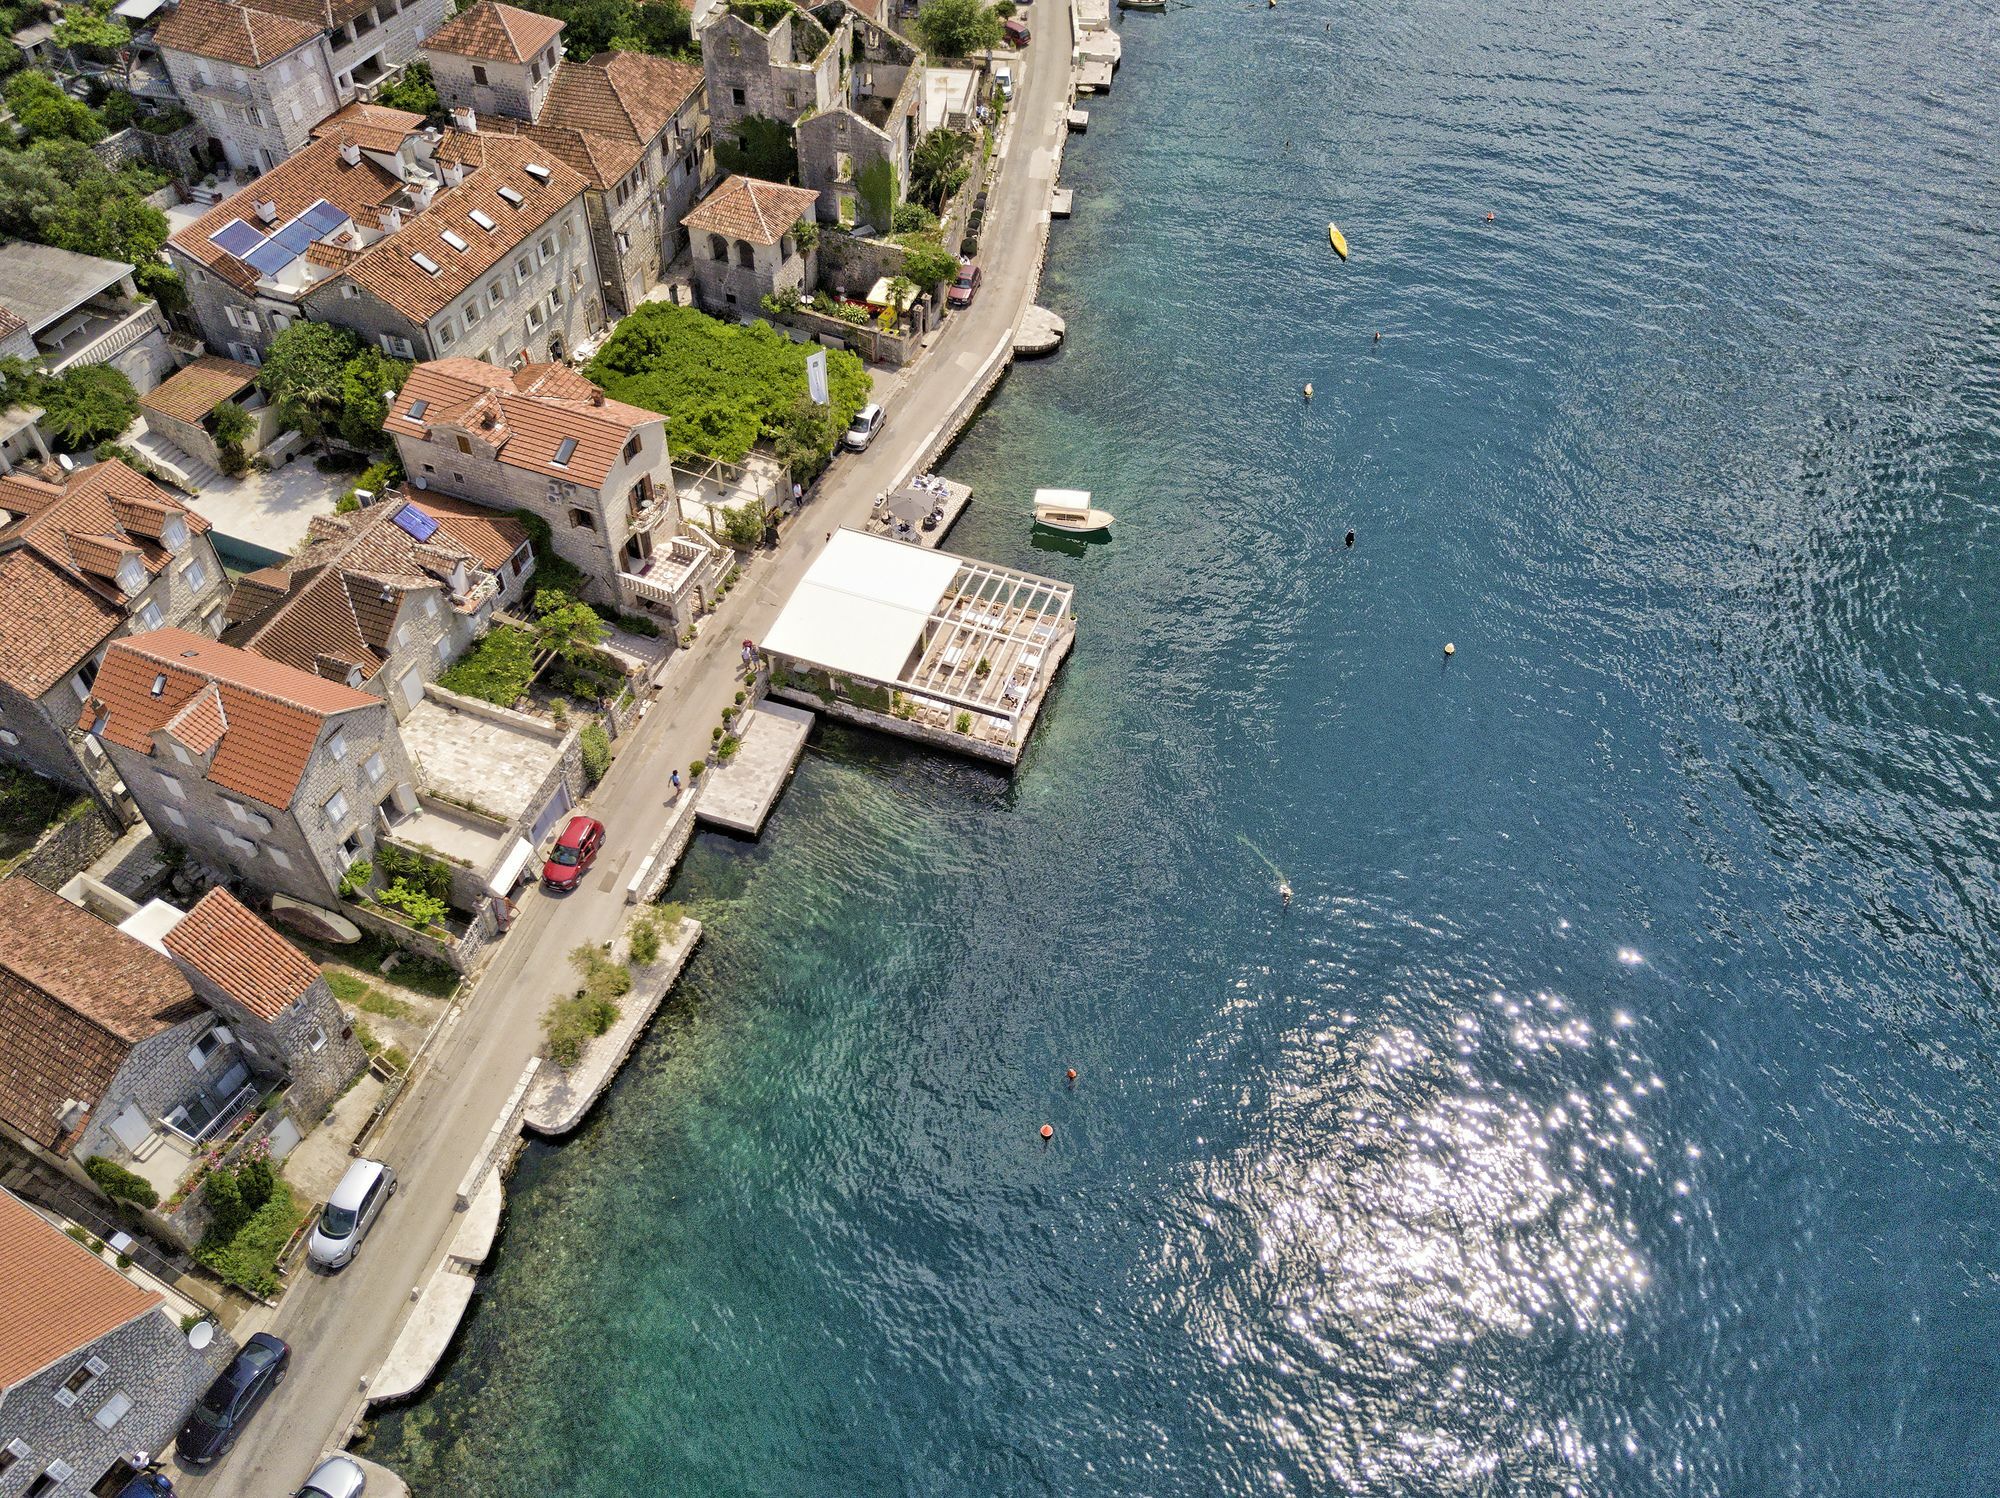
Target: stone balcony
x=101 y=335
x=673 y=576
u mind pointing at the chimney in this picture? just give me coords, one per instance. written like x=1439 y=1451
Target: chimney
x=597 y=397
x=350 y=153
x=268 y=212
x=392 y=219
x=464 y=119
x=425 y=192
x=454 y=173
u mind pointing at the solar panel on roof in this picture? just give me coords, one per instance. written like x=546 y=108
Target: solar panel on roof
x=295 y=236
x=236 y=238
x=324 y=218
x=416 y=522
x=564 y=450
x=269 y=258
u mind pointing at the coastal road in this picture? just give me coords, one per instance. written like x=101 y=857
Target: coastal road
x=342 y=1326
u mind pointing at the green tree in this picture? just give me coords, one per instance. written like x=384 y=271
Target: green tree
x=567 y=629
x=939 y=166
x=957 y=28
x=90 y=31
x=926 y=261
x=414 y=89
x=45 y=112
x=364 y=382
x=804 y=437
x=232 y=428
x=764 y=148
x=120 y=1184
x=305 y=374
x=87 y=405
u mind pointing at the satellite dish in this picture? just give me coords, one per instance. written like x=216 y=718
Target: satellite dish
x=66 y=463
x=201 y=1334
x=421 y=482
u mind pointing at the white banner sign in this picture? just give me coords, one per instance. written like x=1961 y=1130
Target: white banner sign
x=816 y=377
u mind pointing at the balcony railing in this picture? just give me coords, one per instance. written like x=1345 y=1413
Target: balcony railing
x=113 y=339
x=226 y=1117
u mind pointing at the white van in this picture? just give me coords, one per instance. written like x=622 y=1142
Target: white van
x=1003 y=80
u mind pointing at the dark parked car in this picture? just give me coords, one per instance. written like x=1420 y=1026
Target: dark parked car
x=965 y=288
x=575 y=851
x=1017 y=31
x=148 y=1485
x=238 y=1392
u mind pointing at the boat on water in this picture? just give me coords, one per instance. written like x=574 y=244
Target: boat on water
x=1337 y=239
x=1142 y=4
x=1069 y=510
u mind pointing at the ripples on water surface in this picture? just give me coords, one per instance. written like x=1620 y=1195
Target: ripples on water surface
x=1610 y=1114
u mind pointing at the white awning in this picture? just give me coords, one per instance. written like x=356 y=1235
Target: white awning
x=510 y=867
x=862 y=606
x=136 y=10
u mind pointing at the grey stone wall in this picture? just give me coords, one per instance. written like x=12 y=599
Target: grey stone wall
x=157 y=1077
x=752 y=73
x=835 y=148
x=311 y=1043
x=392 y=41
x=34 y=737
x=67 y=850
x=514 y=91
x=260 y=115
x=727 y=289
x=149 y=1362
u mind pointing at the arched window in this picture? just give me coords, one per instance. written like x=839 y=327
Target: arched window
x=718 y=248
x=745 y=255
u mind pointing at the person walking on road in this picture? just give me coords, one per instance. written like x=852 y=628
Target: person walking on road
x=675 y=781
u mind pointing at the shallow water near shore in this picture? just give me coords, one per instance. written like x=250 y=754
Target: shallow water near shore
x=1610 y=1113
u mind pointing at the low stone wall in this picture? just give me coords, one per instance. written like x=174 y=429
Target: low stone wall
x=849 y=265
x=459 y=953
x=121 y=149
x=866 y=339
x=68 y=848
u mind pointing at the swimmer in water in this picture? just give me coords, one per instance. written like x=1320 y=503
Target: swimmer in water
x=1284 y=893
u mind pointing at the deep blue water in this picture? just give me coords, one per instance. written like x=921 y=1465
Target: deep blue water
x=1612 y=1111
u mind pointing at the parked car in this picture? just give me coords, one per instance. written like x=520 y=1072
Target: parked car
x=965 y=287
x=148 y=1485
x=861 y=431
x=238 y=1392
x=336 y=1477
x=350 y=1212
x=1003 y=80
x=1017 y=31
x=575 y=851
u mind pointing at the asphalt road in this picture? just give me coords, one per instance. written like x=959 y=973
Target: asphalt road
x=341 y=1326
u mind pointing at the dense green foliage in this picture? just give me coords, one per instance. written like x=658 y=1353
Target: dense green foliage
x=422 y=908
x=875 y=186
x=939 y=167
x=421 y=872
x=328 y=383
x=498 y=669
x=595 y=744
x=87 y=404
x=804 y=438
x=591 y=1010
x=253 y=1217
x=721 y=386
x=565 y=628
x=232 y=427
x=926 y=261
x=415 y=90
x=593 y=26
x=957 y=28
x=763 y=148
x=913 y=218
x=57 y=192
x=91 y=31
x=45 y=112
x=120 y=1184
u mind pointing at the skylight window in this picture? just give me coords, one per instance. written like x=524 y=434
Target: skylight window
x=427 y=265
x=417 y=409
x=536 y=170
x=484 y=220
x=454 y=241
x=565 y=451
x=513 y=198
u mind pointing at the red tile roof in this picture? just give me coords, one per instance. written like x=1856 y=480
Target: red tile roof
x=191 y=393
x=496 y=31
x=526 y=413
x=75 y=996
x=744 y=208
x=56 y=1296
x=224 y=941
x=489 y=535
x=60 y=545
x=601 y=116
x=373 y=127
x=233 y=33
x=274 y=711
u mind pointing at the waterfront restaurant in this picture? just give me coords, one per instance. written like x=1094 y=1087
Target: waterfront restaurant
x=932 y=646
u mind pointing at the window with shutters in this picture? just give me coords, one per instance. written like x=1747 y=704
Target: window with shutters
x=336 y=807
x=85 y=1374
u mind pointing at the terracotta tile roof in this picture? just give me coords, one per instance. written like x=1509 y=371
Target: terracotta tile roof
x=744 y=208
x=58 y=562
x=489 y=535
x=10 y=324
x=490 y=29
x=325 y=14
x=75 y=996
x=257 y=593
x=224 y=941
x=197 y=390
x=233 y=33
x=202 y=723
x=492 y=162
x=312 y=172
x=274 y=711
x=56 y=1296
x=601 y=160
x=373 y=127
x=533 y=409
x=601 y=116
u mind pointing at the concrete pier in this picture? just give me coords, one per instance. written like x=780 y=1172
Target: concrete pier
x=1041 y=332
x=1060 y=201
x=882 y=522
x=1094 y=77
x=1079 y=120
x=738 y=794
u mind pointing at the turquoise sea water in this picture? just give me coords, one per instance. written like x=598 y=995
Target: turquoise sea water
x=1612 y=1111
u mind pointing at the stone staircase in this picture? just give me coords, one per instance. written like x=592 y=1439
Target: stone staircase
x=185 y=472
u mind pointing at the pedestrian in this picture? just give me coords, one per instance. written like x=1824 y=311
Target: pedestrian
x=798 y=493
x=675 y=780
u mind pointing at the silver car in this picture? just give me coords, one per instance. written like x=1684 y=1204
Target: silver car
x=861 y=431
x=336 y=1477
x=350 y=1212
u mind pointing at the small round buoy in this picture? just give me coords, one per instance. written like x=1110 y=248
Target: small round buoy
x=1350 y=538
x=1378 y=337
x=1489 y=218
x=1309 y=390
x=1072 y=1074
x=1048 y=1132
x=1449 y=648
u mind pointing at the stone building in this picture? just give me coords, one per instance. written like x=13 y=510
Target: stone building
x=383 y=598
x=259 y=78
x=278 y=775
x=68 y=310
x=855 y=152
x=92 y=1369
x=781 y=71
x=743 y=245
x=634 y=127
x=545 y=440
x=417 y=243
x=98 y=554
x=274 y=998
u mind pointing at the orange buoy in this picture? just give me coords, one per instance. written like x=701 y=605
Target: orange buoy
x=1072 y=1074
x=1048 y=1133
x=1489 y=218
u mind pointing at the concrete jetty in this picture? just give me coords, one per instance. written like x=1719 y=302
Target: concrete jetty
x=1041 y=332
x=738 y=794
x=1093 y=76
x=1079 y=120
x=1060 y=201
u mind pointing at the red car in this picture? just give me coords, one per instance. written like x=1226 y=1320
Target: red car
x=965 y=288
x=575 y=851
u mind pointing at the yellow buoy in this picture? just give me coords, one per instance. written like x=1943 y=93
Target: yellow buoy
x=1337 y=239
x=1309 y=390
x=1450 y=649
